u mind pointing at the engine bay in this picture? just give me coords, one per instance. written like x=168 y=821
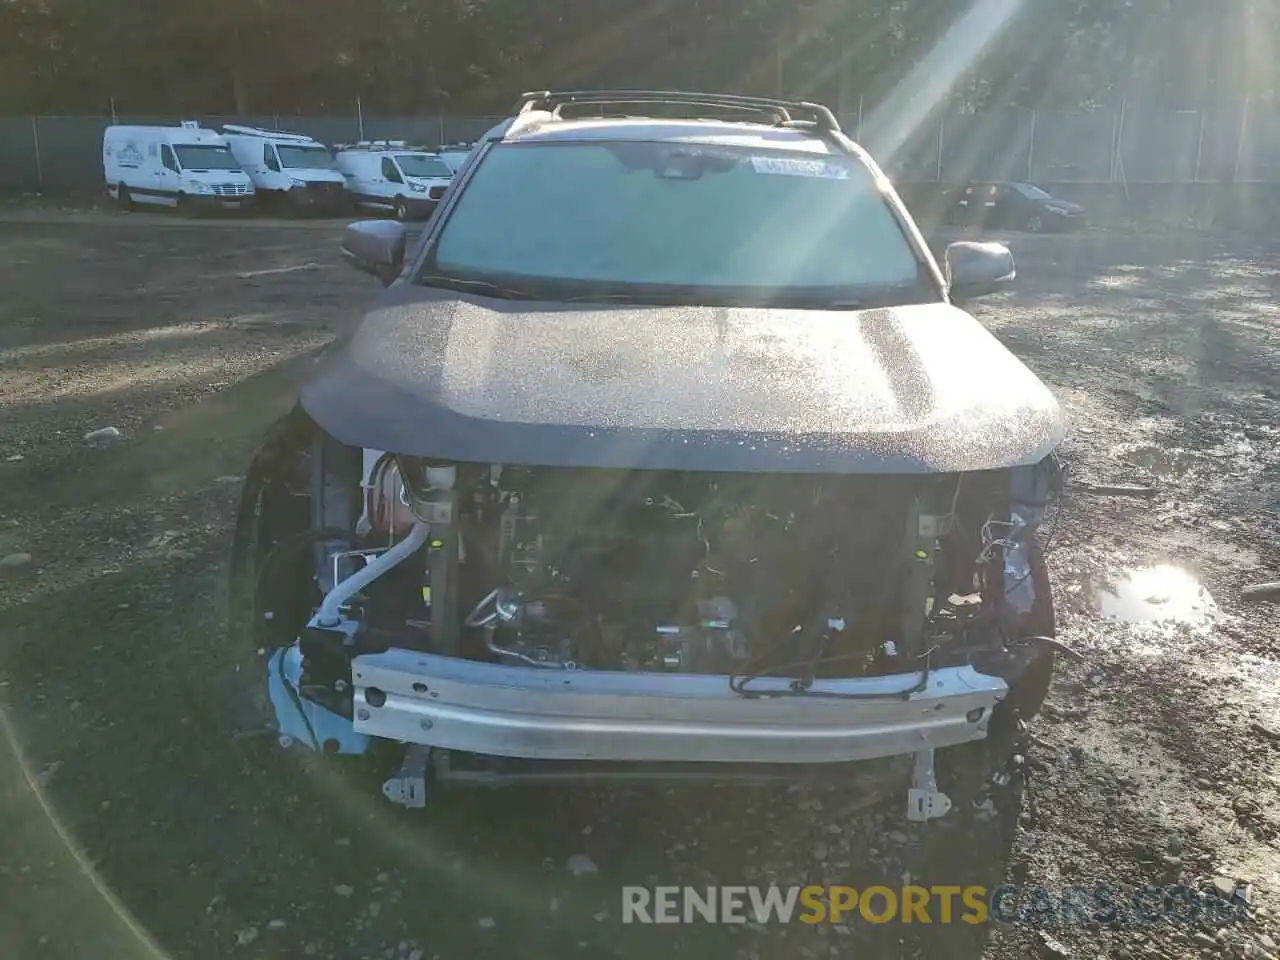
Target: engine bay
x=743 y=575
x=690 y=573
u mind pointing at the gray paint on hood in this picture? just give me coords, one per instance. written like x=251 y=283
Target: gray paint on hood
x=914 y=389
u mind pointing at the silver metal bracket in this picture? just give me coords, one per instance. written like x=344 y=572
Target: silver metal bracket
x=408 y=787
x=924 y=801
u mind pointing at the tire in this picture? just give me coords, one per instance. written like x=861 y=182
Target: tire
x=1035 y=223
x=964 y=771
x=1032 y=689
x=1028 y=693
x=183 y=209
x=402 y=209
x=123 y=200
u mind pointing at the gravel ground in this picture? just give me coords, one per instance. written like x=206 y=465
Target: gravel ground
x=141 y=817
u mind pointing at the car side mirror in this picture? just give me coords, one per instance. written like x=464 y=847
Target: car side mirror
x=977 y=269
x=375 y=247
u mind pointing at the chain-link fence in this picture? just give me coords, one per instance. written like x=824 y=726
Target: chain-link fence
x=1104 y=145
x=65 y=153
x=1126 y=144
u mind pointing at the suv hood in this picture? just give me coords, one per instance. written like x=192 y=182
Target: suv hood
x=914 y=389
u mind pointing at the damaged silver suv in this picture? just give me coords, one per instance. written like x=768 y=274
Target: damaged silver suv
x=667 y=452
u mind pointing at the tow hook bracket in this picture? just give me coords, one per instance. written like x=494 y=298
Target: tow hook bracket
x=408 y=787
x=924 y=800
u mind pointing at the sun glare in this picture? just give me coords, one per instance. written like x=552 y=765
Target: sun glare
x=934 y=76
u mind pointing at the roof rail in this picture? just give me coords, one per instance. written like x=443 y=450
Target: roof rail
x=244 y=131
x=779 y=111
x=382 y=145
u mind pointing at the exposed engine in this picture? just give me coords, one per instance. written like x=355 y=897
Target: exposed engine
x=691 y=573
x=747 y=575
x=682 y=572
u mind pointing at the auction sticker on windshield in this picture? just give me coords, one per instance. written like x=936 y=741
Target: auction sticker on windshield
x=796 y=167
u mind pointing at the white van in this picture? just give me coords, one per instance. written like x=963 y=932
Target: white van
x=185 y=167
x=288 y=169
x=391 y=175
x=456 y=154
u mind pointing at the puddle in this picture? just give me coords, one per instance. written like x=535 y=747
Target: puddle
x=1162 y=594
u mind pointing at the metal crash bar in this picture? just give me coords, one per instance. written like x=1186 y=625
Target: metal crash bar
x=515 y=711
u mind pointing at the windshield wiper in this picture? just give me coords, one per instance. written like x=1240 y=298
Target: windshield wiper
x=798 y=299
x=484 y=288
x=719 y=300
x=640 y=299
x=874 y=298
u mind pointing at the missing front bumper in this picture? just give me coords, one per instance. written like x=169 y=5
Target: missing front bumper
x=536 y=714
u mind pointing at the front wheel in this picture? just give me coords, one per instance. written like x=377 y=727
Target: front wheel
x=1035 y=224
x=402 y=209
x=184 y=207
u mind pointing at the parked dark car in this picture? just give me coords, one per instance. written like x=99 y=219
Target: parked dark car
x=669 y=449
x=1017 y=206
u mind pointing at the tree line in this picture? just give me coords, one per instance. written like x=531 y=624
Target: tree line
x=473 y=56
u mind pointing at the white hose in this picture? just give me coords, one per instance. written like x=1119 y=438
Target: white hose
x=329 y=614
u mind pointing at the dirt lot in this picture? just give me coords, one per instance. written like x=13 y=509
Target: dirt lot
x=143 y=817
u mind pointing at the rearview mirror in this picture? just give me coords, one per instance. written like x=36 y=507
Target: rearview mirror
x=375 y=247
x=977 y=269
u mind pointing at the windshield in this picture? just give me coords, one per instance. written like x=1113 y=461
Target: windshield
x=309 y=158
x=1031 y=192
x=454 y=161
x=664 y=214
x=421 y=165
x=205 y=156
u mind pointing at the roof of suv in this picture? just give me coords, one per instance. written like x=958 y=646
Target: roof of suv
x=541 y=128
